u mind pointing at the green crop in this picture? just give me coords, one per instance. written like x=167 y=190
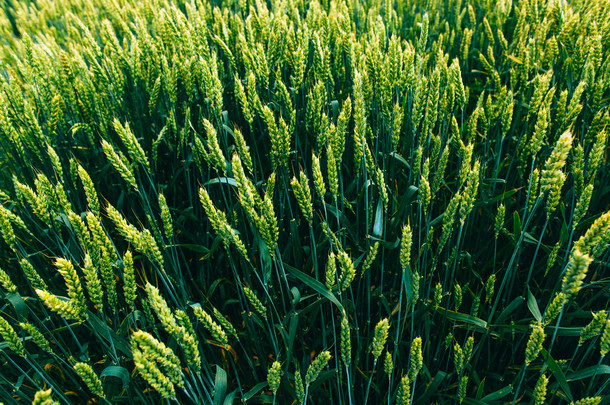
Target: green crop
x=228 y=201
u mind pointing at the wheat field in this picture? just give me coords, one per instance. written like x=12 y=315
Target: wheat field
x=292 y=202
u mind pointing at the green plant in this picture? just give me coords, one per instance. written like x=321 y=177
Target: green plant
x=212 y=201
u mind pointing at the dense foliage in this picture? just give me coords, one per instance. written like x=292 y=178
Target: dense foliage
x=215 y=201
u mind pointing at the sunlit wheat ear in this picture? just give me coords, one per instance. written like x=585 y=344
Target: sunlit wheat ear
x=65 y=308
x=587 y=401
x=575 y=273
x=298 y=386
x=555 y=162
x=157 y=352
x=380 y=337
x=36 y=336
x=539 y=393
x=93 y=382
x=6 y=228
x=331 y=271
x=318 y=180
x=94 y=285
x=166 y=217
x=534 y=344
x=215 y=155
x=131 y=143
x=348 y=272
x=75 y=289
x=416 y=360
x=6 y=282
x=211 y=326
x=405 y=246
x=129 y=280
x=32 y=275
x=255 y=302
x=274 y=376
x=119 y=164
x=151 y=373
x=594 y=327
x=462 y=388
x=44 y=397
x=316 y=366
x=11 y=337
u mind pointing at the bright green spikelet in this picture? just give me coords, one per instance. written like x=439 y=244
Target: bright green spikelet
x=587 y=401
x=397 y=117
x=499 y=222
x=534 y=344
x=539 y=393
x=94 y=285
x=11 y=337
x=159 y=305
x=7 y=283
x=331 y=271
x=370 y=257
x=274 y=376
x=462 y=385
x=554 y=194
x=424 y=193
x=458 y=358
x=90 y=193
x=224 y=322
x=220 y=224
x=594 y=327
x=243 y=149
x=555 y=162
x=151 y=373
x=215 y=329
x=44 y=397
x=318 y=180
x=468 y=348
x=449 y=220
x=438 y=295
x=554 y=308
x=582 y=205
x=388 y=364
x=552 y=257
x=157 y=352
x=37 y=337
x=575 y=273
x=119 y=165
x=470 y=193
x=346 y=343
x=534 y=182
x=348 y=272
x=75 y=289
x=417 y=360
x=129 y=280
x=403 y=397
x=298 y=386
x=65 y=308
x=333 y=177
x=215 y=156
x=405 y=246
x=302 y=194
x=6 y=229
x=604 y=344
x=91 y=379
x=380 y=337
x=255 y=302
x=595 y=235
x=166 y=217
x=316 y=366
x=489 y=288
x=248 y=196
